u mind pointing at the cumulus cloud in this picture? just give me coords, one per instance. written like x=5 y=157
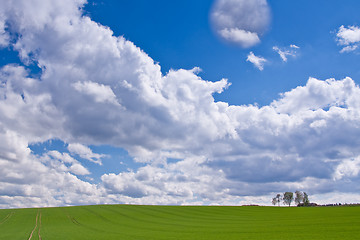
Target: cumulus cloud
x=29 y=180
x=347 y=168
x=256 y=60
x=318 y=95
x=349 y=38
x=85 y=153
x=246 y=38
x=302 y=145
x=96 y=88
x=239 y=21
x=285 y=52
x=99 y=92
x=79 y=169
x=4 y=36
x=64 y=162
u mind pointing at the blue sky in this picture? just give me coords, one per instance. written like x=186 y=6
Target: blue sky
x=178 y=34
x=178 y=102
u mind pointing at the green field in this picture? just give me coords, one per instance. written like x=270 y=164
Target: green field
x=176 y=222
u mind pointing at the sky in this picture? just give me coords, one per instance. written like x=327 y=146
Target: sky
x=224 y=102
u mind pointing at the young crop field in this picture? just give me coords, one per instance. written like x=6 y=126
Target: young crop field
x=179 y=222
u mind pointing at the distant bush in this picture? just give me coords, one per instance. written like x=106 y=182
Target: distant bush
x=307 y=205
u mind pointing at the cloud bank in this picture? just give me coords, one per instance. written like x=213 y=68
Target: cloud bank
x=239 y=21
x=95 y=88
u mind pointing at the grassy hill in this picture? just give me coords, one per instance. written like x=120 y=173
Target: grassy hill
x=177 y=222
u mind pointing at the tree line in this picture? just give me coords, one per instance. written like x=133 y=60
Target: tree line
x=300 y=198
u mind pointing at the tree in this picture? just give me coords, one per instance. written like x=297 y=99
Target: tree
x=288 y=198
x=306 y=199
x=299 y=197
x=278 y=199
x=274 y=201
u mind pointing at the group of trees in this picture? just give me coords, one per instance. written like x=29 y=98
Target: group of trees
x=301 y=198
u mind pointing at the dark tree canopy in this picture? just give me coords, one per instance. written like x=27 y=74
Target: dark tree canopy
x=276 y=200
x=299 y=197
x=306 y=199
x=288 y=198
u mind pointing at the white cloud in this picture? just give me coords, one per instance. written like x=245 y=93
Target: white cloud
x=100 y=92
x=349 y=37
x=347 y=168
x=285 y=52
x=256 y=60
x=349 y=48
x=335 y=197
x=306 y=139
x=29 y=180
x=85 y=153
x=318 y=95
x=244 y=38
x=318 y=124
x=78 y=169
x=65 y=157
x=4 y=37
x=63 y=160
x=240 y=21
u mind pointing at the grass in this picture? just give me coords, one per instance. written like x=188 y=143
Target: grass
x=177 y=222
